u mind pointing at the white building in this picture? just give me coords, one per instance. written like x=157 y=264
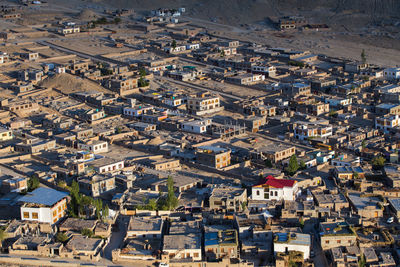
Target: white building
x=44 y=205
x=94 y=146
x=104 y=165
x=284 y=242
x=60 y=70
x=275 y=189
x=387 y=123
x=5 y=134
x=391 y=74
x=177 y=49
x=268 y=71
x=305 y=130
x=192 y=46
x=173 y=102
x=137 y=111
x=337 y=101
x=198 y=126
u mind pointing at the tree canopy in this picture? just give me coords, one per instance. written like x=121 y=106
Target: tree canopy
x=378 y=162
x=293 y=165
x=33 y=183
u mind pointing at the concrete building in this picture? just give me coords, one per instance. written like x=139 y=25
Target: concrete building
x=391 y=74
x=44 y=205
x=203 y=104
x=212 y=156
x=5 y=134
x=145 y=227
x=196 y=126
x=94 y=146
x=336 y=234
x=305 y=130
x=124 y=86
x=35 y=145
x=182 y=246
x=104 y=165
x=97 y=185
x=284 y=242
x=387 y=123
x=276 y=152
x=228 y=199
x=221 y=244
x=384 y=109
x=274 y=189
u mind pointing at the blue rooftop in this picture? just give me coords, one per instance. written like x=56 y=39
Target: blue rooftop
x=44 y=196
x=211 y=239
x=282 y=237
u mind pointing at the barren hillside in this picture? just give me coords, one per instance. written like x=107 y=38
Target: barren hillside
x=245 y=11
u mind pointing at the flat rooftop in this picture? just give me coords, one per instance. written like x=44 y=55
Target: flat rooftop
x=182 y=241
x=145 y=224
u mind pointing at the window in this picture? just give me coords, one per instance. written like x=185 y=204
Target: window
x=196 y=255
x=35 y=215
x=327 y=242
x=55 y=213
x=26 y=215
x=339 y=241
x=258 y=193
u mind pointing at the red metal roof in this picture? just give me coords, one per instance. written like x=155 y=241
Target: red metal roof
x=277 y=183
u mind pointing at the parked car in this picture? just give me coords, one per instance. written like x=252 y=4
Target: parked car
x=390 y=220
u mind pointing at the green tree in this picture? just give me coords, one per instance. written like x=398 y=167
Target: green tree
x=301 y=222
x=98 y=203
x=173 y=45
x=293 y=165
x=378 y=162
x=75 y=199
x=142 y=82
x=3 y=235
x=363 y=57
x=244 y=205
x=268 y=163
x=363 y=144
x=87 y=232
x=362 y=261
x=302 y=165
x=222 y=53
x=61 y=237
x=33 y=183
x=172 y=200
x=117 y=20
x=106 y=211
x=102 y=20
x=152 y=204
x=355 y=175
x=142 y=72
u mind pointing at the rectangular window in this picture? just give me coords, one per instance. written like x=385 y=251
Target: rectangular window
x=55 y=213
x=35 y=215
x=26 y=215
